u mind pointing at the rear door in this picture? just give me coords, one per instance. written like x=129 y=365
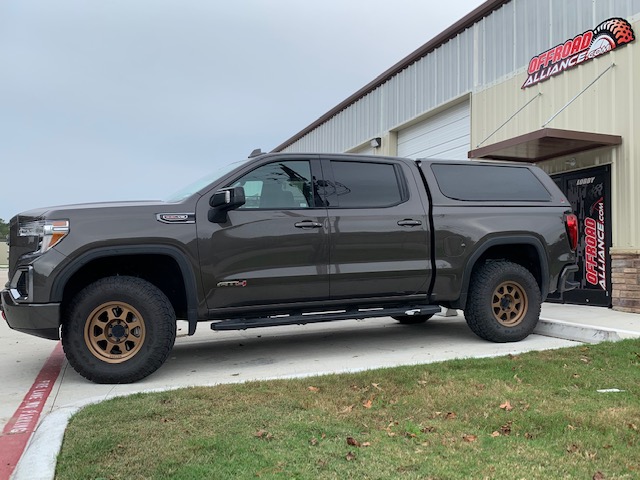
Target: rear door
x=275 y=248
x=379 y=229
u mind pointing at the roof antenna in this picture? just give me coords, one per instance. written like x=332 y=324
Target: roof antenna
x=256 y=152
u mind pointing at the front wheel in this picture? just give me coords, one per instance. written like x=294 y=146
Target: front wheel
x=504 y=302
x=118 y=330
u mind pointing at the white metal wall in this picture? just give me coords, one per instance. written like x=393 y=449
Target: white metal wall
x=445 y=135
x=365 y=150
x=495 y=48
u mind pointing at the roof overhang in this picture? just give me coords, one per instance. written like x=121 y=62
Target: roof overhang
x=545 y=144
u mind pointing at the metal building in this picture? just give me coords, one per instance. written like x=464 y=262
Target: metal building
x=550 y=82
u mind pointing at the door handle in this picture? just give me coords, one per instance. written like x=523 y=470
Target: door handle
x=409 y=223
x=308 y=224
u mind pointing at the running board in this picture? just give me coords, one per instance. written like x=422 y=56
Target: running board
x=302 y=319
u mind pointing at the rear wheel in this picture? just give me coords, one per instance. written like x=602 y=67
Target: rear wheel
x=118 y=330
x=413 y=319
x=504 y=302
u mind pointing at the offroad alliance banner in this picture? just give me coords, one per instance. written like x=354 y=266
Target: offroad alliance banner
x=610 y=34
x=587 y=195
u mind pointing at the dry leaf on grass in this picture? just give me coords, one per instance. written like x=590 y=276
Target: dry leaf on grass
x=506 y=406
x=470 y=438
x=353 y=442
x=506 y=429
x=313 y=389
x=263 y=434
x=347 y=409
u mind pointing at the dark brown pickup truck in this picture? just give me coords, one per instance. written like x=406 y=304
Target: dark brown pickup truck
x=291 y=239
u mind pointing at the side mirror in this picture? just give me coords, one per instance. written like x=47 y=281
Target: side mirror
x=224 y=200
x=228 y=199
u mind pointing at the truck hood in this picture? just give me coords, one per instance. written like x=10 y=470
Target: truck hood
x=61 y=210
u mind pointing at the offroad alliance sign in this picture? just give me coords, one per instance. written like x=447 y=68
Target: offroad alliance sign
x=610 y=34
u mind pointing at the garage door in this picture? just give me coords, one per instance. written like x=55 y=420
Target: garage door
x=446 y=135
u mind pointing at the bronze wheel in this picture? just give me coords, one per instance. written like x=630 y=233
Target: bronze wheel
x=118 y=329
x=509 y=303
x=114 y=332
x=503 y=303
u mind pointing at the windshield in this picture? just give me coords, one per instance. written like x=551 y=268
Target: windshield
x=203 y=182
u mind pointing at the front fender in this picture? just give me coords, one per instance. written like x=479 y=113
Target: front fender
x=186 y=269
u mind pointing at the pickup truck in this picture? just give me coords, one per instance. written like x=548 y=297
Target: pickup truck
x=282 y=239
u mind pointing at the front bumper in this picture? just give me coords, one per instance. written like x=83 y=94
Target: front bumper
x=39 y=319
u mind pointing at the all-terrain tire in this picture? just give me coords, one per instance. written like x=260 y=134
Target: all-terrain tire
x=413 y=319
x=503 y=303
x=118 y=330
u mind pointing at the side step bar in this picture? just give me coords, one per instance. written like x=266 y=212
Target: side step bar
x=304 y=318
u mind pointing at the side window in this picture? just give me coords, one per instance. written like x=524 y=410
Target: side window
x=279 y=185
x=489 y=183
x=366 y=184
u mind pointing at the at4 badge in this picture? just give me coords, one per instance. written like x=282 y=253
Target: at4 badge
x=233 y=283
x=610 y=34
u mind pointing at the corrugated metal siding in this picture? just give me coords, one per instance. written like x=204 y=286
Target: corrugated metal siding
x=365 y=150
x=504 y=41
x=445 y=135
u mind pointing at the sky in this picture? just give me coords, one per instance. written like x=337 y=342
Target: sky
x=133 y=99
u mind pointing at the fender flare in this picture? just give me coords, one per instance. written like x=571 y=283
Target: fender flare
x=185 y=267
x=505 y=240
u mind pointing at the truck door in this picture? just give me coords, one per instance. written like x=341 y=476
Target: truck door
x=275 y=248
x=379 y=229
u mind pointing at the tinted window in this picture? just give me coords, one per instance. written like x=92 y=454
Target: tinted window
x=363 y=184
x=280 y=185
x=489 y=183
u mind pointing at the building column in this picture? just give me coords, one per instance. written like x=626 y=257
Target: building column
x=389 y=144
x=625 y=269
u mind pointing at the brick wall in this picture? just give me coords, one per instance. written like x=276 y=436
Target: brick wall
x=625 y=267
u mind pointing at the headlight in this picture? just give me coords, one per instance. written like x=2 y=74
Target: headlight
x=49 y=232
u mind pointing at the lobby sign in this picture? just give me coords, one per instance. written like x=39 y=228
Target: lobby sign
x=610 y=34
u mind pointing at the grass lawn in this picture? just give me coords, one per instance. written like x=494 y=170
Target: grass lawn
x=530 y=416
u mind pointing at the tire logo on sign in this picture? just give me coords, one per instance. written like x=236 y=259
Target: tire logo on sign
x=610 y=34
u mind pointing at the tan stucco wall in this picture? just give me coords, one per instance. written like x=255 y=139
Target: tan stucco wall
x=611 y=106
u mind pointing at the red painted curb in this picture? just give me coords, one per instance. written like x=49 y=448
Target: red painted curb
x=18 y=430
